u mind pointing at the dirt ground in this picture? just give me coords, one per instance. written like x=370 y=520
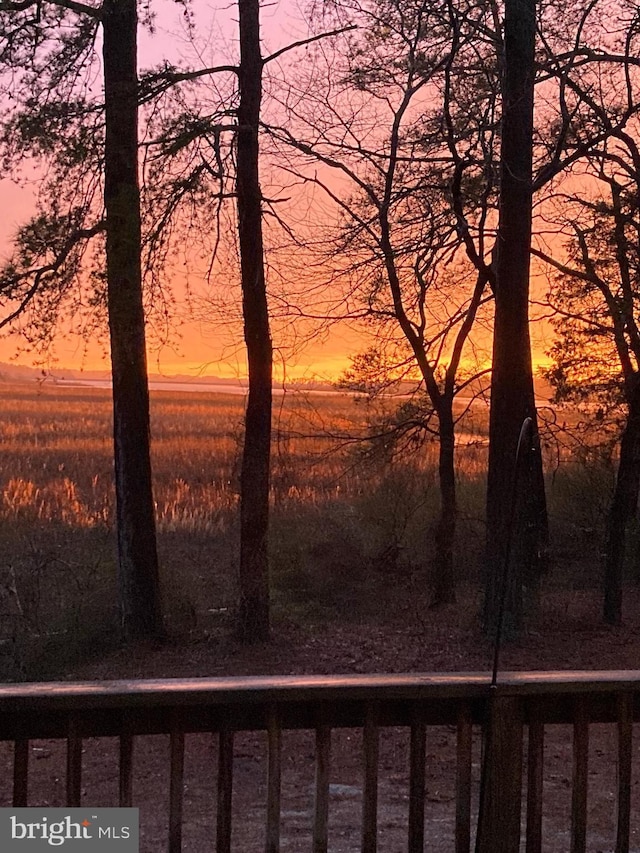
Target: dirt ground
x=567 y=634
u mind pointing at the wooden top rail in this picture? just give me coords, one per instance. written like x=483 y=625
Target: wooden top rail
x=43 y=709
x=283 y=688
x=56 y=695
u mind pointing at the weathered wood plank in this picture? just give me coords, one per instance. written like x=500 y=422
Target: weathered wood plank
x=321 y=809
x=274 y=781
x=74 y=764
x=580 y=778
x=535 y=770
x=176 y=790
x=41 y=710
x=125 y=770
x=370 y=744
x=463 y=781
x=417 y=785
x=262 y=690
x=625 y=745
x=20 y=773
x=225 y=790
x=230 y=689
x=499 y=825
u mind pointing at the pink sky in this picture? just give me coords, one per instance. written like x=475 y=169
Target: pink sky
x=198 y=347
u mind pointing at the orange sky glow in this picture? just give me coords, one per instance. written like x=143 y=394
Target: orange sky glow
x=203 y=346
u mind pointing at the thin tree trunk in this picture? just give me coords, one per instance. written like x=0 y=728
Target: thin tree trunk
x=443 y=574
x=622 y=510
x=512 y=390
x=139 y=585
x=253 y=625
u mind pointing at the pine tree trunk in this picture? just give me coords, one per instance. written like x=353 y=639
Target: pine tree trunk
x=138 y=577
x=512 y=389
x=622 y=510
x=253 y=625
x=443 y=574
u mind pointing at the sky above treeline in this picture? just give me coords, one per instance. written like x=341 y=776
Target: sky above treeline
x=202 y=345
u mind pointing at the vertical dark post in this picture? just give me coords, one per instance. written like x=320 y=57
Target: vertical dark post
x=139 y=584
x=535 y=784
x=74 y=764
x=499 y=824
x=125 y=799
x=254 y=478
x=274 y=782
x=20 y=773
x=625 y=752
x=580 y=778
x=176 y=788
x=417 y=783
x=445 y=531
x=463 y=780
x=321 y=810
x=225 y=790
x=370 y=750
x=512 y=390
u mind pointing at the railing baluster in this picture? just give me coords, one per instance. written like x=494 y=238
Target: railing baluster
x=225 y=790
x=417 y=783
x=176 y=790
x=274 y=780
x=499 y=824
x=625 y=743
x=20 y=772
x=580 y=771
x=74 y=764
x=463 y=781
x=321 y=811
x=125 y=770
x=535 y=786
x=370 y=788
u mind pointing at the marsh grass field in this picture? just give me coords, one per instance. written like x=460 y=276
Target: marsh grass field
x=350 y=533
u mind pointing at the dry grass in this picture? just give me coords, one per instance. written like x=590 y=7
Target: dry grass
x=346 y=525
x=57 y=509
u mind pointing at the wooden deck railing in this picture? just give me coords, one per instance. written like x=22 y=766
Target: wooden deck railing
x=523 y=703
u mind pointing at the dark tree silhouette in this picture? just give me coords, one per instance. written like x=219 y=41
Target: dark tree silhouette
x=413 y=195
x=253 y=625
x=593 y=86
x=139 y=583
x=205 y=158
x=60 y=129
x=596 y=297
x=512 y=390
x=596 y=291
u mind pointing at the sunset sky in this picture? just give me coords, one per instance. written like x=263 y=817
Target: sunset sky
x=197 y=347
x=204 y=346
